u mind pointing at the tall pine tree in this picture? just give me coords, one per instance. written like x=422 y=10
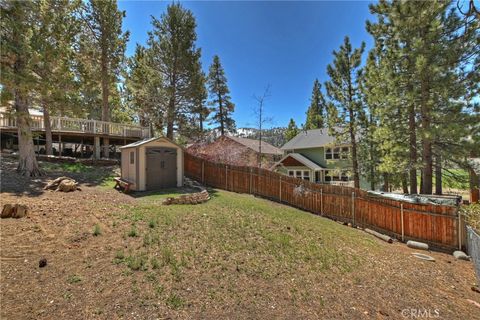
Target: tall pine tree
x=220 y=97
x=175 y=57
x=18 y=20
x=344 y=93
x=316 y=110
x=104 y=46
x=292 y=130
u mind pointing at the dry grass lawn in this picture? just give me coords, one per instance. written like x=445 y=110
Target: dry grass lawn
x=114 y=256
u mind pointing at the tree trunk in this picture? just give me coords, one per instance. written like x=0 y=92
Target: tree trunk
x=170 y=118
x=356 y=178
x=412 y=149
x=438 y=175
x=385 y=182
x=27 y=162
x=48 y=130
x=404 y=183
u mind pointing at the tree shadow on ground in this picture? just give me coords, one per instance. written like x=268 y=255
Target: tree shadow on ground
x=86 y=175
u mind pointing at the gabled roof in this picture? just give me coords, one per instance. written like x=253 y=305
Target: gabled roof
x=144 y=141
x=267 y=148
x=310 y=139
x=302 y=159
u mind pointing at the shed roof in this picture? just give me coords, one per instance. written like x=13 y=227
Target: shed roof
x=267 y=148
x=310 y=139
x=302 y=159
x=145 y=141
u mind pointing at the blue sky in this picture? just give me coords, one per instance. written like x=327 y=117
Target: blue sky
x=282 y=44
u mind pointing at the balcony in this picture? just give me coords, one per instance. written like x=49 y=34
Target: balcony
x=79 y=126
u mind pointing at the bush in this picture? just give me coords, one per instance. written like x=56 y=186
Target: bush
x=472 y=215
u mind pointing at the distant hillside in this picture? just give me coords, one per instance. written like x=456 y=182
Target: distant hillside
x=274 y=136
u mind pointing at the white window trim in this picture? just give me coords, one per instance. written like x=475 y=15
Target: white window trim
x=339 y=152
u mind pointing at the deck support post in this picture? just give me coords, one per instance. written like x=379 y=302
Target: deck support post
x=106 y=148
x=60 y=145
x=96 y=147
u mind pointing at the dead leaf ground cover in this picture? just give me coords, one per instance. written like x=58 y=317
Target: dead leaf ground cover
x=115 y=256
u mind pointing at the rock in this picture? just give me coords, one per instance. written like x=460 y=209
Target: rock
x=460 y=255
x=417 y=245
x=42 y=263
x=19 y=211
x=67 y=186
x=7 y=211
x=423 y=256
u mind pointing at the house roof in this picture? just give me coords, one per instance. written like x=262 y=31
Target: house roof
x=310 y=139
x=302 y=159
x=267 y=148
x=145 y=141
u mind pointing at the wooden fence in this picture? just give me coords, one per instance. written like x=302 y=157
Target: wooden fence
x=437 y=225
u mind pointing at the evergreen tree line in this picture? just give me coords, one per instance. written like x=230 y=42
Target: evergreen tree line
x=411 y=109
x=68 y=57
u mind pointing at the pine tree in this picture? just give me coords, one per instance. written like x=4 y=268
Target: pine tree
x=105 y=45
x=174 y=56
x=343 y=91
x=199 y=108
x=430 y=52
x=317 y=108
x=220 y=97
x=292 y=130
x=18 y=19
x=53 y=43
x=143 y=88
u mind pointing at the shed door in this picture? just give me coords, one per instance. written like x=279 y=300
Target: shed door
x=161 y=170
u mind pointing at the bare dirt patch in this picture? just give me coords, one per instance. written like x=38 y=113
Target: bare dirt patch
x=111 y=255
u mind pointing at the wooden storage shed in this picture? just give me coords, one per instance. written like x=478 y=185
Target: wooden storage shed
x=151 y=164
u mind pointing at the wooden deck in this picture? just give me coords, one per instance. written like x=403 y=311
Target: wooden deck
x=73 y=126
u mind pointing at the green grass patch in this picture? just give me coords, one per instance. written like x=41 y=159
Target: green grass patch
x=97 y=230
x=74 y=279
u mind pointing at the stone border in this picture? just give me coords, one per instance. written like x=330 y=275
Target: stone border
x=191 y=198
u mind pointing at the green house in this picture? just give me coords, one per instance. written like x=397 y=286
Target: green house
x=315 y=155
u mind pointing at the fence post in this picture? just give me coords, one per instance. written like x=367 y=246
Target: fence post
x=250 y=188
x=403 y=226
x=353 y=209
x=280 y=189
x=226 y=177
x=459 y=230
x=321 y=201
x=203 y=172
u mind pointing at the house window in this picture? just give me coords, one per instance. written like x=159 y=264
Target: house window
x=328 y=154
x=291 y=173
x=306 y=175
x=298 y=174
x=336 y=153
x=132 y=157
x=328 y=177
x=336 y=175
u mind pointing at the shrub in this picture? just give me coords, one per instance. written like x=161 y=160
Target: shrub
x=472 y=215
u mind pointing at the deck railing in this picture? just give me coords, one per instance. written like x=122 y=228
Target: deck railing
x=64 y=124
